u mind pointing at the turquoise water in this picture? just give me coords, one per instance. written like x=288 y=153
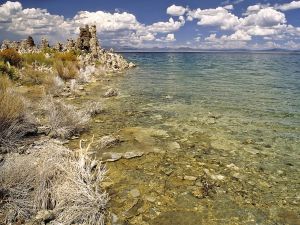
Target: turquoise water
x=220 y=133
x=246 y=105
x=256 y=96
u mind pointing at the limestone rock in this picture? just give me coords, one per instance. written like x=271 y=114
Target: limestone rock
x=58 y=46
x=30 y=42
x=70 y=45
x=190 y=178
x=107 y=141
x=83 y=41
x=111 y=93
x=135 y=193
x=44 y=43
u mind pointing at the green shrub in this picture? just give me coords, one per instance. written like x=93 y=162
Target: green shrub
x=39 y=58
x=6 y=70
x=11 y=56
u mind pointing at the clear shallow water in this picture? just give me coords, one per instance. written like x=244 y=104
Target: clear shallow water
x=230 y=120
x=252 y=95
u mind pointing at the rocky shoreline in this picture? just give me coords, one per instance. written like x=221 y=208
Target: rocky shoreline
x=43 y=181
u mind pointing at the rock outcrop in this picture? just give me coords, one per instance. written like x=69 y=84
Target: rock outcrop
x=87 y=43
x=44 y=44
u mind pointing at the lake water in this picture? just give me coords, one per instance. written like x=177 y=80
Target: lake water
x=222 y=137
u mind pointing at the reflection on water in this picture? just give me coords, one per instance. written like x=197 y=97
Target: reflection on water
x=220 y=132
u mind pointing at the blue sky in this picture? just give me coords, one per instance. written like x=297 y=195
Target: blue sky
x=226 y=24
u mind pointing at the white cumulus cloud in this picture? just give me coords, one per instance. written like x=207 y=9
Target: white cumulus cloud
x=220 y=17
x=288 y=6
x=175 y=10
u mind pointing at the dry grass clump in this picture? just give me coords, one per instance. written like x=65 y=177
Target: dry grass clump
x=37 y=58
x=32 y=76
x=53 y=85
x=11 y=56
x=94 y=108
x=65 y=56
x=14 y=120
x=66 y=70
x=16 y=183
x=56 y=180
x=64 y=120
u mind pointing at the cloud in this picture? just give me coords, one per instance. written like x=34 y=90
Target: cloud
x=8 y=9
x=266 y=17
x=197 y=39
x=237 y=36
x=16 y=20
x=288 y=6
x=253 y=9
x=120 y=28
x=108 y=21
x=228 y=7
x=166 y=27
x=263 y=21
x=175 y=10
x=220 y=17
x=168 y=38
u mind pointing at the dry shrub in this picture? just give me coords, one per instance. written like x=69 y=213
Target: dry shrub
x=16 y=183
x=94 y=108
x=65 y=56
x=32 y=76
x=64 y=120
x=53 y=85
x=5 y=84
x=66 y=70
x=55 y=180
x=37 y=58
x=11 y=56
x=14 y=120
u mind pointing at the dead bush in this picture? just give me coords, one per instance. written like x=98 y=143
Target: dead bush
x=14 y=119
x=66 y=70
x=64 y=120
x=32 y=76
x=57 y=180
x=53 y=85
x=94 y=108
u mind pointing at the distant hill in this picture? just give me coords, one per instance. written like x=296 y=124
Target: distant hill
x=188 y=49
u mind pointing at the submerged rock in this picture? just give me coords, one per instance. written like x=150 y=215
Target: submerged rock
x=135 y=193
x=190 y=178
x=130 y=155
x=115 y=156
x=112 y=92
x=107 y=142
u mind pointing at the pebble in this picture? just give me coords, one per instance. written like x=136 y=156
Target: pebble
x=106 y=184
x=150 y=199
x=111 y=93
x=232 y=166
x=135 y=193
x=130 y=155
x=167 y=171
x=191 y=178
